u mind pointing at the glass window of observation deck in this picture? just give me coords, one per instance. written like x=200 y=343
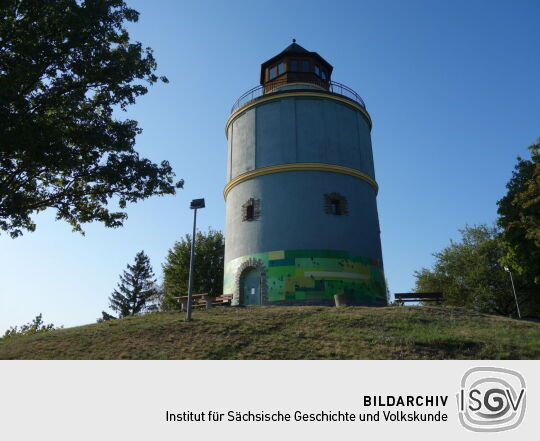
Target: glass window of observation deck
x=293 y=65
x=272 y=73
x=305 y=66
x=280 y=68
x=317 y=70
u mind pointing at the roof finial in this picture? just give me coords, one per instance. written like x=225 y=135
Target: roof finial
x=294 y=40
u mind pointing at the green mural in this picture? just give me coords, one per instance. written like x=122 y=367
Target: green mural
x=315 y=274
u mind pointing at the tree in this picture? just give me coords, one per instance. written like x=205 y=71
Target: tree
x=519 y=217
x=469 y=273
x=65 y=67
x=35 y=326
x=154 y=302
x=137 y=286
x=208 y=270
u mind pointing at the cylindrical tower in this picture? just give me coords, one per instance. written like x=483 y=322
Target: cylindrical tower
x=301 y=216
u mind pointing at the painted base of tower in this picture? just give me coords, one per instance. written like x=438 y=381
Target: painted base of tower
x=304 y=277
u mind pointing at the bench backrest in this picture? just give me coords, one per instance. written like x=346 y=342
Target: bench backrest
x=418 y=295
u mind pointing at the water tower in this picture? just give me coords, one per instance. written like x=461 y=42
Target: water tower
x=301 y=211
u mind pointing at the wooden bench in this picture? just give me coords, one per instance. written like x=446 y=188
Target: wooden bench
x=401 y=298
x=224 y=299
x=208 y=301
x=205 y=300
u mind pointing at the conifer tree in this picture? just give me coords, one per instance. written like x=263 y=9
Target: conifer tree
x=137 y=286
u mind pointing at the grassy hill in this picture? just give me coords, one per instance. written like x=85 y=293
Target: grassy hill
x=290 y=333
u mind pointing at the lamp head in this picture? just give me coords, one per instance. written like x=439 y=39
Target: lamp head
x=197 y=203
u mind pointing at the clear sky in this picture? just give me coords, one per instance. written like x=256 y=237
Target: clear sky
x=452 y=88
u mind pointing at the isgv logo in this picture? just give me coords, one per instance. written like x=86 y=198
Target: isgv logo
x=491 y=399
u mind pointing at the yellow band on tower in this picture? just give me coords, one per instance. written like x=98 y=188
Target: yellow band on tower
x=299 y=166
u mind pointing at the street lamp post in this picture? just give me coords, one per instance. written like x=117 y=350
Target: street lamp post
x=195 y=205
x=514 y=289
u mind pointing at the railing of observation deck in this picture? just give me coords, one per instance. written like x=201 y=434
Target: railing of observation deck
x=328 y=86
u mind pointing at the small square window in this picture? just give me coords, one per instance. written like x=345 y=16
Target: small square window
x=251 y=209
x=335 y=204
x=280 y=68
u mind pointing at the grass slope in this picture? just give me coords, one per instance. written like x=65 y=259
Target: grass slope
x=290 y=333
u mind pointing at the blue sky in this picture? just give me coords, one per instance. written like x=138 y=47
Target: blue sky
x=452 y=88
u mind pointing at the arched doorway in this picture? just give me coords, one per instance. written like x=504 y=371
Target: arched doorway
x=251 y=274
x=250 y=286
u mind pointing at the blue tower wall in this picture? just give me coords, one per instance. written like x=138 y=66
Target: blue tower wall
x=304 y=254
x=299 y=129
